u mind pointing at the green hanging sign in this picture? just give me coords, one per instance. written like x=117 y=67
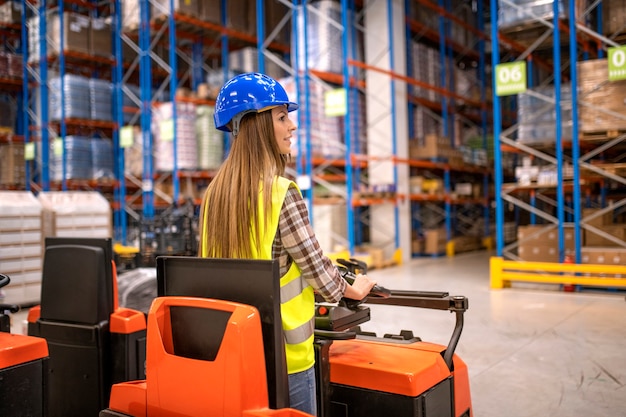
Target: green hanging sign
x=57 y=147
x=126 y=137
x=166 y=130
x=617 y=63
x=29 y=151
x=510 y=78
x=335 y=102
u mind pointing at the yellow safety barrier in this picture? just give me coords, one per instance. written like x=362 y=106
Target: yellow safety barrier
x=504 y=272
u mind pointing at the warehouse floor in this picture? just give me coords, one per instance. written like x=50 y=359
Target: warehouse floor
x=531 y=351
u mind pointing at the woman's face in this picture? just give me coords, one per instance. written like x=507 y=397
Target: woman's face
x=283 y=127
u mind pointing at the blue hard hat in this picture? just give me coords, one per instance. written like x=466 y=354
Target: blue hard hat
x=245 y=93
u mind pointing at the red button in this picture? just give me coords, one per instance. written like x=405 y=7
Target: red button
x=322 y=311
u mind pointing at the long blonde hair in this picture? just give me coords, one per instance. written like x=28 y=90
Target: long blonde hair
x=229 y=207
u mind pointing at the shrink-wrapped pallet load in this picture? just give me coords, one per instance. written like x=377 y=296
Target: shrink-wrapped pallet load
x=602 y=103
x=210 y=140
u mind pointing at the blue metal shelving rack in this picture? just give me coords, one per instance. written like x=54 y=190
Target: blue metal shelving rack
x=567 y=210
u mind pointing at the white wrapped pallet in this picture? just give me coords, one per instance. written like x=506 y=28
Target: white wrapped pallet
x=75 y=214
x=20 y=246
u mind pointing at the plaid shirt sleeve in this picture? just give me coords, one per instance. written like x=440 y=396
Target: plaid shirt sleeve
x=295 y=241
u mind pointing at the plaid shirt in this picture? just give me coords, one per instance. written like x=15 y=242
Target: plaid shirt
x=295 y=241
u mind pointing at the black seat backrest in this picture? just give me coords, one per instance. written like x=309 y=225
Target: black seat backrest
x=77 y=282
x=252 y=282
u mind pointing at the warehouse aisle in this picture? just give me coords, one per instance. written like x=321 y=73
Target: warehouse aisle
x=531 y=352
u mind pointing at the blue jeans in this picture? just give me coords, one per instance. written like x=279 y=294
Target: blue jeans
x=302 y=395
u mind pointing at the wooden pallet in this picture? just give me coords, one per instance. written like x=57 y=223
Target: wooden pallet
x=601 y=134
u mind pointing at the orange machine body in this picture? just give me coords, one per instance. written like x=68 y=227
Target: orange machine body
x=408 y=369
x=230 y=383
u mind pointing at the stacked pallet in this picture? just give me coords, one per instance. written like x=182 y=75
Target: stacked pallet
x=75 y=214
x=601 y=107
x=21 y=246
x=614 y=17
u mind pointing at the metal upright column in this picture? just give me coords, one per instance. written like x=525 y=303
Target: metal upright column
x=573 y=52
x=118 y=115
x=145 y=85
x=497 y=131
x=44 y=98
x=394 y=130
x=25 y=95
x=347 y=131
x=173 y=86
x=556 y=57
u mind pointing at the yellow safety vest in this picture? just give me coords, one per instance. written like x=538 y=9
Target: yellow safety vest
x=297 y=300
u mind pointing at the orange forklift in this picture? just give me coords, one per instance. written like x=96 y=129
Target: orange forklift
x=214 y=348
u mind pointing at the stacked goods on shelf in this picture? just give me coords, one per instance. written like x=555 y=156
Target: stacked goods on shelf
x=537 y=117
x=540 y=243
x=601 y=250
x=21 y=245
x=330 y=225
x=435 y=147
x=161 y=8
x=7 y=115
x=428 y=19
x=435 y=241
x=426 y=122
x=12 y=164
x=101 y=37
x=76 y=152
x=527 y=11
x=326 y=132
x=601 y=107
x=606 y=224
x=323 y=39
x=426 y=68
x=210 y=140
x=186 y=146
x=10 y=65
x=75 y=97
x=75 y=214
x=247 y=60
x=75 y=37
x=100 y=99
x=11 y=12
x=614 y=17
x=102 y=159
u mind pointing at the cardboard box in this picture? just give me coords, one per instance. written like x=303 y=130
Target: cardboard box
x=435 y=241
x=533 y=235
x=12 y=164
x=605 y=219
x=76 y=30
x=186 y=7
x=616 y=230
x=100 y=38
x=538 y=253
x=11 y=12
x=211 y=11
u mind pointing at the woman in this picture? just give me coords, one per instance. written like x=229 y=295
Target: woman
x=251 y=211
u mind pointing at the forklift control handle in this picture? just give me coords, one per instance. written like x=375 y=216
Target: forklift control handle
x=334 y=335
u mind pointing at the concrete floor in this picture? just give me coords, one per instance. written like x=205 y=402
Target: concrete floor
x=531 y=351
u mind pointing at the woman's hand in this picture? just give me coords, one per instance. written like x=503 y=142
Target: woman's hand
x=360 y=288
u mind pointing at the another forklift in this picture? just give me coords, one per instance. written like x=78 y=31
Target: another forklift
x=203 y=357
